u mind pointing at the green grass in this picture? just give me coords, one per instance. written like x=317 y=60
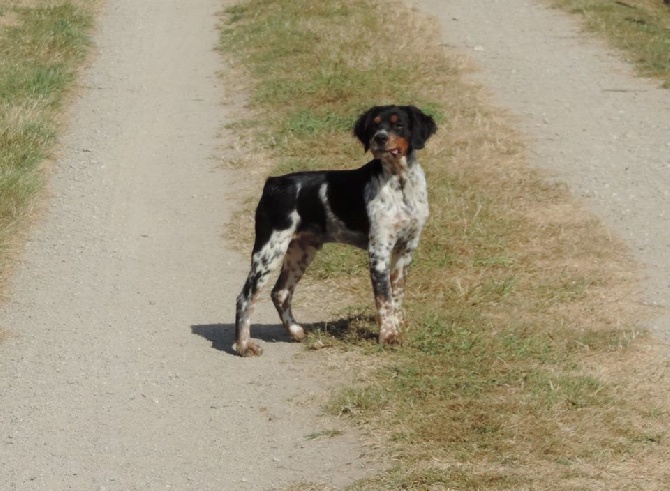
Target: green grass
x=42 y=44
x=515 y=293
x=641 y=28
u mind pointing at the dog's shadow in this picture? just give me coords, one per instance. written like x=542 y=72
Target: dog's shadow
x=222 y=336
x=347 y=329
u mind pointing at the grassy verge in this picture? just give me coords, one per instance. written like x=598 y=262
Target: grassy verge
x=523 y=367
x=42 y=43
x=641 y=28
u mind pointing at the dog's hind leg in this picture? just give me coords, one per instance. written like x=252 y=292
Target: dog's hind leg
x=298 y=257
x=266 y=258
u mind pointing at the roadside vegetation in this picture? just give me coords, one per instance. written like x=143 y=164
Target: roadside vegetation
x=524 y=364
x=42 y=44
x=640 y=28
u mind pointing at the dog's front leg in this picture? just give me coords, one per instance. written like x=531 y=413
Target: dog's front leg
x=400 y=261
x=387 y=318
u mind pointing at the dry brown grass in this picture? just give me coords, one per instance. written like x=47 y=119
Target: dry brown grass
x=524 y=366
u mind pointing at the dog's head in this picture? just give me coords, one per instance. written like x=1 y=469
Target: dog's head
x=394 y=131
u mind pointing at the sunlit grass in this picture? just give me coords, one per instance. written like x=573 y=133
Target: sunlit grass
x=42 y=44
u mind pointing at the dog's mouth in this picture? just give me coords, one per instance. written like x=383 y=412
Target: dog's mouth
x=394 y=152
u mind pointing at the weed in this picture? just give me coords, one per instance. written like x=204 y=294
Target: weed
x=323 y=433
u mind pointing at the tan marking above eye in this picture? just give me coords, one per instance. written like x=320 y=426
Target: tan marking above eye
x=394 y=118
x=378 y=119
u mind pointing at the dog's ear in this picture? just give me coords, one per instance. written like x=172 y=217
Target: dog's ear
x=423 y=126
x=362 y=125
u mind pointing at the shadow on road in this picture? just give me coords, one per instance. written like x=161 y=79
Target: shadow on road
x=353 y=328
x=222 y=336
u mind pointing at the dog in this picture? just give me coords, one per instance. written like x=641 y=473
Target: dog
x=380 y=207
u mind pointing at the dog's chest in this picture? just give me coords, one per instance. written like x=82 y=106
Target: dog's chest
x=396 y=208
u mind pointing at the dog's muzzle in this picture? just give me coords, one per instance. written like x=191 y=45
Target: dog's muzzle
x=380 y=142
x=381 y=138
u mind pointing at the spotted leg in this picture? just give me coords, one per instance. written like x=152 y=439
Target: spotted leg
x=380 y=261
x=298 y=257
x=265 y=259
x=400 y=261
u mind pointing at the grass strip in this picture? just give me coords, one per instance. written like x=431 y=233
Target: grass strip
x=521 y=305
x=641 y=28
x=42 y=44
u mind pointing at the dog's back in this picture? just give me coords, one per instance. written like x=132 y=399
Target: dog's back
x=329 y=205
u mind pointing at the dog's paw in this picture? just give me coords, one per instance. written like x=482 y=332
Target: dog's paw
x=297 y=333
x=390 y=338
x=248 y=349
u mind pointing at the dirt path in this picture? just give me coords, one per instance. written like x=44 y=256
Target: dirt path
x=118 y=374
x=590 y=120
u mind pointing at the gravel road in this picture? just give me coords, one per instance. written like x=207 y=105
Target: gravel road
x=590 y=121
x=118 y=374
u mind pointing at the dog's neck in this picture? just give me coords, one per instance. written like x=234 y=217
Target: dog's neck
x=400 y=166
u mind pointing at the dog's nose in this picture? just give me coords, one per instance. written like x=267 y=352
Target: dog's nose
x=381 y=138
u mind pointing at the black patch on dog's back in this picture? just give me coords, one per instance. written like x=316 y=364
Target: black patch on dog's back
x=274 y=208
x=346 y=195
x=309 y=206
x=299 y=191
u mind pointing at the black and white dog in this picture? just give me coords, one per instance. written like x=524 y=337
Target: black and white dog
x=380 y=207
